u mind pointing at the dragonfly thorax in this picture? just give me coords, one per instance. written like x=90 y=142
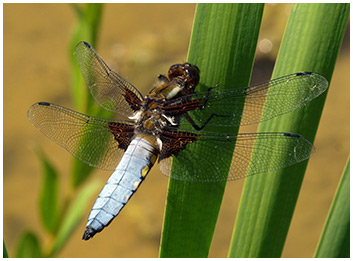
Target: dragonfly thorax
x=152 y=120
x=182 y=80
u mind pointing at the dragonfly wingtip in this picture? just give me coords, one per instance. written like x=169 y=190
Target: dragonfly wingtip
x=89 y=233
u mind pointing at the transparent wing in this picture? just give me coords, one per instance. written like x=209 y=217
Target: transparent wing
x=209 y=152
x=226 y=104
x=87 y=138
x=107 y=87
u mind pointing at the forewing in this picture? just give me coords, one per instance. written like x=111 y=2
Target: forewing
x=110 y=90
x=90 y=139
x=204 y=159
x=225 y=105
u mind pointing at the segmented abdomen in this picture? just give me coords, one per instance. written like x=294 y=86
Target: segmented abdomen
x=122 y=184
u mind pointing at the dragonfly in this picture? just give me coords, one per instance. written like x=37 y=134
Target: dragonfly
x=174 y=124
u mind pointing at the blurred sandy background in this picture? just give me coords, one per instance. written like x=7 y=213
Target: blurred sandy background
x=140 y=41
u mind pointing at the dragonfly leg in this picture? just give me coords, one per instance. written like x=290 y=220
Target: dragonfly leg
x=208 y=95
x=196 y=127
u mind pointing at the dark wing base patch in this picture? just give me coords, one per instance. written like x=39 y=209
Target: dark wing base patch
x=132 y=99
x=175 y=141
x=123 y=133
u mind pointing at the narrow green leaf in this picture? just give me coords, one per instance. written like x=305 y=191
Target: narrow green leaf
x=335 y=238
x=29 y=246
x=89 y=17
x=48 y=197
x=73 y=216
x=222 y=45
x=4 y=251
x=79 y=172
x=311 y=43
x=93 y=17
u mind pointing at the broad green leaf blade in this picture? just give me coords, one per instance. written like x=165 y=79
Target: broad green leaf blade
x=222 y=45
x=4 y=251
x=311 y=43
x=334 y=241
x=29 y=246
x=48 y=197
x=74 y=214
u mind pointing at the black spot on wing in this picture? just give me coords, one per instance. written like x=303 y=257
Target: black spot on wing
x=87 y=44
x=44 y=103
x=291 y=135
x=303 y=73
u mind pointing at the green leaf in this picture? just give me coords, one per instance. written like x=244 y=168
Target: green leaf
x=29 y=246
x=73 y=216
x=48 y=197
x=222 y=45
x=311 y=43
x=4 y=254
x=89 y=17
x=334 y=241
x=79 y=172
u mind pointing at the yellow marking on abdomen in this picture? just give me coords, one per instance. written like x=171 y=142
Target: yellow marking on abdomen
x=145 y=171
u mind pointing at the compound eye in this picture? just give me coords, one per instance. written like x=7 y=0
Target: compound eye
x=191 y=67
x=175 y=66
x=175 y=71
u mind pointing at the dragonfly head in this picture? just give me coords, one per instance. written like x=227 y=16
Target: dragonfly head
x=187 y=72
